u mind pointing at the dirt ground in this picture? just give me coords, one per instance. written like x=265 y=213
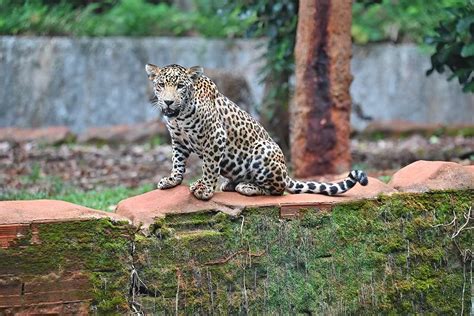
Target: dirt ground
x=33 y=168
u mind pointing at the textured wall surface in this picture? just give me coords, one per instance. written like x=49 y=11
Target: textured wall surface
x=390 y=84
x=101 y=81
x=83 y=82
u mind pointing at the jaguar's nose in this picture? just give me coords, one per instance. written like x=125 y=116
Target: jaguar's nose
x=169 y=102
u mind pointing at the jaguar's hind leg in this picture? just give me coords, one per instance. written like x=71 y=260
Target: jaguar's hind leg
x=250 y=189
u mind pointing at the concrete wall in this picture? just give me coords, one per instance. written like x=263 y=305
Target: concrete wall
x=390 y=83
x=83 y=82
x=101 y=81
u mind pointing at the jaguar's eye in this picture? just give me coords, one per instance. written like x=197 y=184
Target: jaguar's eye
x=180 y=85
x=160 y=84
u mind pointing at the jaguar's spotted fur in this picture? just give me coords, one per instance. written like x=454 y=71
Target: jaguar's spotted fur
x=228 y=140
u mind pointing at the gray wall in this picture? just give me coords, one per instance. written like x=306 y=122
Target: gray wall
x=83 y=82
x=101 y=81
x=390 y=84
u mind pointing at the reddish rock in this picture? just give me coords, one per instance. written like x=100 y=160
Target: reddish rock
x=124 y=133
x=28 y=211
x=51 y=294
x=8 y=233
x=31 y=286
x=47 y=135
x=470 y=169
x=373 y=189
x=147 y=207
x=17 y=217
x=422 y=176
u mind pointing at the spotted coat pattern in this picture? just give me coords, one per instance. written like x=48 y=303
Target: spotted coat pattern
x=229 y=141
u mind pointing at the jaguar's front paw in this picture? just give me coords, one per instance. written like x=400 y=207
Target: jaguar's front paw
x=195 y=184
x=201 y=191
x=167 y=183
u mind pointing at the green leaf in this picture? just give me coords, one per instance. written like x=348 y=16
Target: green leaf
x=468 y=50
x=431 y=40
x=464 y=24
x=462 y=74
x=469 y=87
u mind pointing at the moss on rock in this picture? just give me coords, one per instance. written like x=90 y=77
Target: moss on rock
x=97 y=249
x=393 y=254
x=399 y=254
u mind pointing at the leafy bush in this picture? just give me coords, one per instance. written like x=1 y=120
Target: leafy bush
x=276 y=21
x=136 y=18
x=454 y=40
x=33 y=18
x=122 y=17
x=397 y=20
x=373 y=20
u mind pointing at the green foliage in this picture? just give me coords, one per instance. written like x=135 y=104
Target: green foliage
x=397 y=20
x=212 y=20
x=276 y=21
x=394 y=255
x=454 y=42
x=95 y=249
x=123 y=17
x=373 y=20
x=135 y=18
x=31 y=17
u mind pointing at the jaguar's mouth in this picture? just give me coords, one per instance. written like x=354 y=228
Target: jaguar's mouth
x=171 y=113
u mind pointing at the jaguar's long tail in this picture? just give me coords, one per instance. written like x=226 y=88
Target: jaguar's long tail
x=295 y=186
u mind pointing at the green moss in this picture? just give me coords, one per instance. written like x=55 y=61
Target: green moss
x=98 y=248
x=110 y=291
x=391 y=255
x=379 y=256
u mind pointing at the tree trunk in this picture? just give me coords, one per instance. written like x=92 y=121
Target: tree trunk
x=320 y=125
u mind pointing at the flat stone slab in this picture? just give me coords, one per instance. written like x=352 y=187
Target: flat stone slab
x=145 y=208
x=17 y=217
x=423 y=176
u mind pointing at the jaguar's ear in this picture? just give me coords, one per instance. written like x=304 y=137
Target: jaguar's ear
x=152 y=71
x=195 y=72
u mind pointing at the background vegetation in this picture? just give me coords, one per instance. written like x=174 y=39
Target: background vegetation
x=398 y=20
x=454 y=40
x=373 y=20
x=116 y=17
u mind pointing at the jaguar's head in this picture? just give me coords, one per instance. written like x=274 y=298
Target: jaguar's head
x=173 y=86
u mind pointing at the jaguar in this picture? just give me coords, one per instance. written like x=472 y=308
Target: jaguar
x=229 y=141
